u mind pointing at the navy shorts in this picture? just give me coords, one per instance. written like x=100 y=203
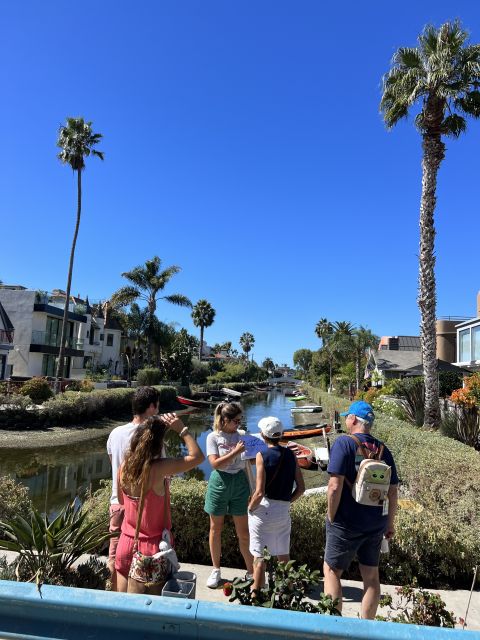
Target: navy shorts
x=343 y=544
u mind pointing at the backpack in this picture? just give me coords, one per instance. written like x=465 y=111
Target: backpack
x=373 y=477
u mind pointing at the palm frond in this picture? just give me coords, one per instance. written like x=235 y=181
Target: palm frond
x=408 y=58
x=454 y=125
x=125 y=296
x=469 y=104
x=178 y=299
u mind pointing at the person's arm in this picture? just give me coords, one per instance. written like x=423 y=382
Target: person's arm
x=260 y=484
x=218 y=462
x=392 y=510
x=334 y=493
x=299 y=482
x=194 y=457
x=119 y=486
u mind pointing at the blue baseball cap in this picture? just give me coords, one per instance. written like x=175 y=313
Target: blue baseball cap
x=361 y=409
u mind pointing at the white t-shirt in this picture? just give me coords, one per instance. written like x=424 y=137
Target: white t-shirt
x=219 y=443
x=117 y=445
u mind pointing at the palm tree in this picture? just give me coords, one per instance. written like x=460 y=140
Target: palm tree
x=203 y=315
x=76 y=141
x=246 y=342
x=363 y=339
x=442 y=75
x=324 y=330
x=147 y=282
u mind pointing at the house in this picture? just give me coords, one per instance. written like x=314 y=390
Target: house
x=387 y=364
x=37 y=317
x=468 y=342
x=399 y=343
x=6 y=341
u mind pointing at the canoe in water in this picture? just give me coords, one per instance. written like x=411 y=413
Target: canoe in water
x=308 y=432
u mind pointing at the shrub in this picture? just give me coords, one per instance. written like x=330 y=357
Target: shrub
x=411 y=392
x=448 y=382
x=417 y=606
x=389 y=407
x=14 y=499
x=85 y=385
x=370 y=395
x=72 y=407
x=149 y=377
x=37 y=389
x=200 y=372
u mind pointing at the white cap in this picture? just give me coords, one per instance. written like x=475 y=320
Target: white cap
x=271 y=427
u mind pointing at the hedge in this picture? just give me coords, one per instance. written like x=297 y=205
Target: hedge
x=74 y=407
x=439 y=541
x=424 y=546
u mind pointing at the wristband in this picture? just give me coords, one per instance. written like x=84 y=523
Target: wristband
x=183 y=432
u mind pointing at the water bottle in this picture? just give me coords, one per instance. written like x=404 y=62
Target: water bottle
x=384 y=548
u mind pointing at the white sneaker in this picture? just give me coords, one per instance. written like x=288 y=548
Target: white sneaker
x=214 y=579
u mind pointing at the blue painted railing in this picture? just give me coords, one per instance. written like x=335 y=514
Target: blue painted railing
x=78 y=614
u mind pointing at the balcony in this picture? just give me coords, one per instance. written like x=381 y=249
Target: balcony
x=6 y=337
x=44 y=342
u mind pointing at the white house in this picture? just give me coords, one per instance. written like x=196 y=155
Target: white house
x=37 y=318
x=468 y=342
x=6 y=341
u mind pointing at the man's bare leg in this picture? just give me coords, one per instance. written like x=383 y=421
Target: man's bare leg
x=371 y=591
x=332 y=585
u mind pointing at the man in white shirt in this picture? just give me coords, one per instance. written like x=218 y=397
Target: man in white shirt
x=144 y=404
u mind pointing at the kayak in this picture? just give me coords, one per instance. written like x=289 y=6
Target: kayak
x=198 y=404
x=296 y=398
x=307 y=432
x=307 y=408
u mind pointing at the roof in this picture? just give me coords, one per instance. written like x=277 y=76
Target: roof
x=442 y=365
x=113 y=324
x=7 y=324
x=400 y=343
x=392 y=360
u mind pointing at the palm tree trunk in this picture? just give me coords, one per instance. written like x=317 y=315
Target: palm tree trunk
x=200 y=348
x=358 y=361
x=61 y=353
x=433 y=154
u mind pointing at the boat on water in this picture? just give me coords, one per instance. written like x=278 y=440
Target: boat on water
x=231 y=392
x=297 y=398
x=307 y=408
x=307 y=432
x=304 y=455
x=198 y=404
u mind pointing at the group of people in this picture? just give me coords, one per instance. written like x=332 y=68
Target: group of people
x=140 y=469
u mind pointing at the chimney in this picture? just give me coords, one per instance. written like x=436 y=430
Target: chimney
x=478 y=304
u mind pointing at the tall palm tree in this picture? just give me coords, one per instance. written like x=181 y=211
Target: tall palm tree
x=324 y=330
x=442 y=76
x=76 y=141
x=147 y=282
x=363 y=339
x=246 y=342
x=203 y=315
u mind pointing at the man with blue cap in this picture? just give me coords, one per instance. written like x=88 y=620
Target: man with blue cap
x=354 y=528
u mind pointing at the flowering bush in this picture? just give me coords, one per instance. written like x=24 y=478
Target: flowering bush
x=469 y=396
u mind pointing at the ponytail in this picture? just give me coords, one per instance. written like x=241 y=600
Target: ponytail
x=145 y=445
x=225 y=411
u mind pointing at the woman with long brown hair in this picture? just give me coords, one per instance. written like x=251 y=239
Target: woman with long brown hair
x=144 y=467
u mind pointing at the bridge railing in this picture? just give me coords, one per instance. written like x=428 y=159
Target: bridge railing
x=76 y=614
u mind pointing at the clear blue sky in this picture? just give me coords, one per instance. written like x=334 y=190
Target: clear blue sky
x=242 y=142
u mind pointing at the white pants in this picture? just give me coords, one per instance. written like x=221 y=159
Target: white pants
x=269 y=525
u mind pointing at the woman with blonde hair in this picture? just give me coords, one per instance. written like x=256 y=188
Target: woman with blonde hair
x=228 y=487
x=145 y=472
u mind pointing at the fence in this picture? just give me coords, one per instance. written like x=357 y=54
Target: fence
x=76 y=614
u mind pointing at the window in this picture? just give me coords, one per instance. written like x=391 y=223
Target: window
x=476 y=343
x=109 y=339
x=102 y=336
x=464 y=345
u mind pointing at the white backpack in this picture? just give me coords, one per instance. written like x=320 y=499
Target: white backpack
x=373 y=477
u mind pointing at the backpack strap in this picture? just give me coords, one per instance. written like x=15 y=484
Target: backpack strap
x=366 y=453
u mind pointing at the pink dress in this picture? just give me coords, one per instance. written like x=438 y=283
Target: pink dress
x=151 y=527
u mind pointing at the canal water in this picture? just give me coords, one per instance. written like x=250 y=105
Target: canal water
x=60 y=474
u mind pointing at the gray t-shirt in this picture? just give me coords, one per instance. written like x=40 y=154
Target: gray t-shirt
x=220 y=443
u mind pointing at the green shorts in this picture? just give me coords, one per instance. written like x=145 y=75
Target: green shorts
x=227 y=493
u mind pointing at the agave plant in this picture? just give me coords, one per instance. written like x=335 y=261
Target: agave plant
x=48 y=548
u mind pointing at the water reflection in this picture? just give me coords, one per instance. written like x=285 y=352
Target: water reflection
x=57 y=475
